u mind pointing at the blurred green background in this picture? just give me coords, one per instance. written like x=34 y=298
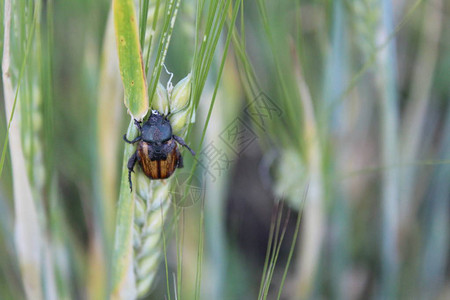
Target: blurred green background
x=339 y=109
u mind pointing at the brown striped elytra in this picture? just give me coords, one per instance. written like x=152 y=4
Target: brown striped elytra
x=157 y=151
x=157 y=169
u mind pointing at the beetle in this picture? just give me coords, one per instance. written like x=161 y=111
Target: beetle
x=157 y=152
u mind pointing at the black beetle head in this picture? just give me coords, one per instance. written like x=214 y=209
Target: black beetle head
x=157 y=129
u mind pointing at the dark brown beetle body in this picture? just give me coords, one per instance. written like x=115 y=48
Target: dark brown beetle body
x=158 y=169
x=157 y=151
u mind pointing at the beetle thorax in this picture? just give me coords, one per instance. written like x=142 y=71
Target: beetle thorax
x=156 y=129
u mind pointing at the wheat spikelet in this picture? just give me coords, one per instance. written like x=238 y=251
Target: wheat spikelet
x=151 y=206
x=29 y=113
x=290 y=187
x=33 y=148
x=365 y=19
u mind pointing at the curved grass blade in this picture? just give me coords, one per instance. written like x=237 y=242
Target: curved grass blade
x=136 y=100
x=130 y=58
x=123 y=286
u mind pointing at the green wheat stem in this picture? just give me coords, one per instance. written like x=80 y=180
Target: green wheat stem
x=276 y=255
x=213 y=99
x=169 y=23
x=293 y=243
x=268 y=252
x=153 y=32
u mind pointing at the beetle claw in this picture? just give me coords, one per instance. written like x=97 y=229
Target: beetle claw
x=129 y=180
x=138 y=124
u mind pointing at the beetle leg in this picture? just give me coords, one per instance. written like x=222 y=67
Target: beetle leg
x=131 y=163
x=138 y=124
x=180 y=160
x=183 y=143
x=133 y=141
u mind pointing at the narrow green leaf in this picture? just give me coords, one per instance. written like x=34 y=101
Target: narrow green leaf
x=123 y=277
x=130 y=58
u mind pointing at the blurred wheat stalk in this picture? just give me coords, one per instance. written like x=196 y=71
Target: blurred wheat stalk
x=327 y=140
x=24 y=79
x=28 y=236
x=297 y=140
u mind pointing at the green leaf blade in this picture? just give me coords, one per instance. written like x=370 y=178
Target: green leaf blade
x=130 y=58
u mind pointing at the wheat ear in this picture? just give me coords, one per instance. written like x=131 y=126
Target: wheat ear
x=152 y=197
